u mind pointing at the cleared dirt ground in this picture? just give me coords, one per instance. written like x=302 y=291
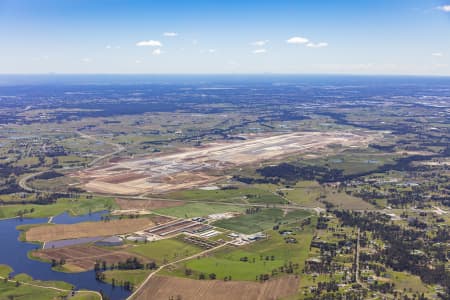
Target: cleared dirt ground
x=146 y=204
x=162 y=287
x=82 y=258
x=189 y=168
x=47 y=233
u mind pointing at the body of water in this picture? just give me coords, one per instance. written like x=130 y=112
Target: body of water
x=14 y=254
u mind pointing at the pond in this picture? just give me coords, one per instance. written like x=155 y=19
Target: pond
x=14 y=254
x=66 y=218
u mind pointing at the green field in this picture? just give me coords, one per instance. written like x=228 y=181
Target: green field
x=198 y=210
x=9 y=290
x=73 y=206
x=305 y=193
x=165 y=251
x=133 y=276
x=263 y=220
x=239 y=195
x=354 y=161
x=226 y=261
x=344 y=201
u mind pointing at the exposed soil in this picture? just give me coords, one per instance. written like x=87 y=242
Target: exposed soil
x=47 y=233
x=162 y=287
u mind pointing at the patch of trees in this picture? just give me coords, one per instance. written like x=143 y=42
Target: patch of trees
x=49 y=175
x=383 y=148
x=252 y=210
x=253 y=180
x=383 y=287
x=406 y=249
x=293 y=173
x=6 y=170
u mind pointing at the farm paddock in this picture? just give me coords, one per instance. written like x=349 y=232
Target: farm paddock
x=162 y=287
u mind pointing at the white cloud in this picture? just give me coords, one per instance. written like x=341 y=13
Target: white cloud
x=157 y=52
x=210 y=51
x=138 y=61
x=149 y=43
x=437 y=54
x=259 y=51
x=108 y=47
x=297 y=40
x=170 y=34
x=86 y=60
x=111 y=47
x=259 y=43
x=317 y=45
x=444 y=8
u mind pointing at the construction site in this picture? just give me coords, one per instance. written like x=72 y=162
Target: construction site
x=190 y=167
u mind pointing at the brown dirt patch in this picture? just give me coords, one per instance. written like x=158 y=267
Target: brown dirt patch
x=82 y=258
x=47 y=233
x=124 y=178
x=146 y=204
x=162 y=287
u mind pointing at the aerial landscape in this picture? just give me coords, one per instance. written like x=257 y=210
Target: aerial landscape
x=210 y=150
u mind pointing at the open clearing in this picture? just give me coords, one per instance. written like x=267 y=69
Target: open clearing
x=189 y=168
x=83 y=257
x=263 y=257
x=146 y=204
x=161 y=287
x=47 y=233
x=260 y=221
x=164 y=251
x=199 y=210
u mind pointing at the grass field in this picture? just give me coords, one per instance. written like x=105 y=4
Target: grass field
x=198 y=210
x=85 y=296
x=305 y=193
x=58 y=184
x=226 y=261
x=355 y=161
x=343 y=201
x=407 y=281
x=5 y=270
x=263 y=220
x=9 y=290
x=165 y=251
x=239 y=195
x=133 y=276
x=73 y=206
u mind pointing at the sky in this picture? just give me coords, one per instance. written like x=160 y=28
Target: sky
x=409 y=37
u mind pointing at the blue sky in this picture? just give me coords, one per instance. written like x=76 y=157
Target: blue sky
x=200 y=36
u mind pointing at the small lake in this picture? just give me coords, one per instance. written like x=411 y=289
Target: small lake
x=66 y=218
x=14 y=253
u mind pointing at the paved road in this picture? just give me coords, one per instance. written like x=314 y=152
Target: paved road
x=172 y=263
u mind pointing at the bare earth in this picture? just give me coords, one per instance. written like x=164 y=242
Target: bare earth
x=47 y=233
x=161 y=287
x=82 y=258
x=146 y=204
x=189 y=168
